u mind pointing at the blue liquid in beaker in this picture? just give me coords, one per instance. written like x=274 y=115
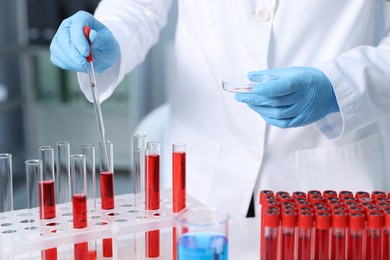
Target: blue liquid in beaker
x=202 y=246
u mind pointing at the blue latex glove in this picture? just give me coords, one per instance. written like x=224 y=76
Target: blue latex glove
x=300 y=96
x=69 y=47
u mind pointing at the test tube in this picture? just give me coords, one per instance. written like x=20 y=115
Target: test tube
x=33 y=178
x=63 y=175
x=107 y=186
x=305 y=235
x=386 y=235
x=356 y=236
x=178 y=185
x=329 y=193
x=6 y=196
x=322 y=232
x=139 y=169
x=339 y=235
x=88 y=150
x=152 y=196
x=264 y=194
x=287 y=247
x=374 y=235
x=46 y=189
x=271 y=224
x=79 y=201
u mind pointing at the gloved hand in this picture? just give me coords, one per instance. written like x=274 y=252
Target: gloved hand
x=69 y=47
x=300 y=96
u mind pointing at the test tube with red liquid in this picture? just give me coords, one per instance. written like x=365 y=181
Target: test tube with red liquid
x=79 y=201
x=152 y=195
x=287 y=243
x=262 y=200
x=107 y=186
x=88 y=150
x=178 y=185
x=270 y=235
x=305 y=235
x=374 y=235
x=322 y=235
x=386 y=236
x=357 y=224
x=339 y=235
x=139 y=169
x=46 y=191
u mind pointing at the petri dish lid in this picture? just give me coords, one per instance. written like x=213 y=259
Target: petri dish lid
x=241 y=84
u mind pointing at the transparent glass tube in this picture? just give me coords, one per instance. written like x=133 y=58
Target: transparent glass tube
x=33 y=178
x=6 y=196
x=47 y=185
x=139 y=169
x=79 y=190
x=88 y=150
x=63 y=173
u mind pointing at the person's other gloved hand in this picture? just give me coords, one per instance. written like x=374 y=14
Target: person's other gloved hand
x=298 y=97
x=69 y=47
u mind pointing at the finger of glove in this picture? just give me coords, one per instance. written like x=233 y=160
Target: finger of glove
x=254 y=99
x=64 y=54
x=76 y=31
x=281 y=123
x=276 y=112
x=276 y=88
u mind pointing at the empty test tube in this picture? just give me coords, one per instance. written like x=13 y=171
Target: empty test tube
x=6 y=196
x=139 y=169
x=33 y=178
x=63 y=175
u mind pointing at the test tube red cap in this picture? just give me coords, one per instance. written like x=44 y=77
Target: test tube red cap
x=375 y=219
x=329 y=193
x=305 y=219
x=271 y=202
x=323 y=220
x=289 y=218
x=263 y=194
x=317 y=198
x=340 y=219
x=387 y=218
x=378 y=194
x=305 y=208
x=344 y=193
x=365 y=199
x=355 y=209
x=271 y=218
x=281 y=193
x=339 y=208
x=299 y=194
x=357 y=221
x=362 y=194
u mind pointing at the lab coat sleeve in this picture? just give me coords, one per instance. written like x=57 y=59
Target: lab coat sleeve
x=361 y=82
x=136 y=25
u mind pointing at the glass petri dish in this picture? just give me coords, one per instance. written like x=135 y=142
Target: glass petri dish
x=241 y=84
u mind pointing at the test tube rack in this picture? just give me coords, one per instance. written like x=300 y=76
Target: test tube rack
x=20 y=238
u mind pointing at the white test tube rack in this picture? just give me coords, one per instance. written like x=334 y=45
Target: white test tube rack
x=18 y=241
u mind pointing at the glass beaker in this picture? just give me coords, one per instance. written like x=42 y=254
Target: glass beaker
x=202 y=234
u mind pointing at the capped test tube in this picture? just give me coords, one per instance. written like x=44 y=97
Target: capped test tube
x=152 y=194
x=63 y=175
x=374 y=235
x=271 y=224
x=386 y=235
x=79 y=201
x=322 y=232
x=6 y=196
x=356 y=236
x=139 y=169
x=47 y=185
x=107 y=186
x=305 y=235
x=339 y=235
x=287 y=245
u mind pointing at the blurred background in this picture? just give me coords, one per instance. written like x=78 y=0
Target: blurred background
x=41 y=104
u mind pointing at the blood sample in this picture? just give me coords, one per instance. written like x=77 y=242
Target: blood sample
x=322 y=232
x=178 y=185
x=305 y=231
x=270 y=235
x=287 y=243
x=152 y=196
x=374 y=235
x=339 y=236
x=46 y=191
x=386 y=236
x=356 y=236
x=107 y=186
x=79 y=201
x=263 y=194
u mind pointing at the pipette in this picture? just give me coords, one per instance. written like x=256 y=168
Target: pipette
x=95 y=94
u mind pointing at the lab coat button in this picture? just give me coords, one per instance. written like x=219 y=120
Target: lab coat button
x=263 y=15
x=255 y=153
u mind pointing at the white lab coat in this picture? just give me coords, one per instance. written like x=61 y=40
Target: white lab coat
x=231 y=151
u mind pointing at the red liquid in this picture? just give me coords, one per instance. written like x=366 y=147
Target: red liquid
x=304 y=248
x=322 y=244
x=49 y=254
x=47 y=190
x=373 y=249
x=81 y=251
x=92 y=255
x=152 y=181
x=287 y=247
x=179 y=181
x=152 y=240
x=79 y=202
x=386 y=245
x=107 y=190
x=270 y=248
x=107 y=247
x=355 y=248
x=338 y=247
